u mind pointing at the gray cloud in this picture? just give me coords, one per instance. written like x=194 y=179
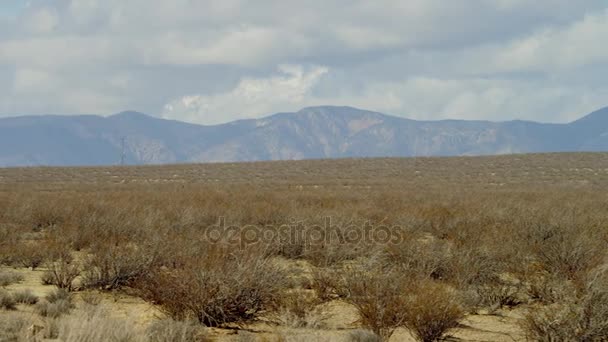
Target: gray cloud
x=211 y=61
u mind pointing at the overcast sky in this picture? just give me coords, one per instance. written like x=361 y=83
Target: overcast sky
x=212 y=61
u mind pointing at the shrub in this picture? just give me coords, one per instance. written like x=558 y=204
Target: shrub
x=432 y=311
x=389 y=300
x=381 y=298
x=61 y=273
x=30 y=255
x=55 y=309
x=497 y=295
x=219 y=286
x=549 y=289
x=58 y=303
x=91 y=298
x=7 y=301
x=425 y=257
x=298 y=310
x=9 y=278
x=582 y=318
x=13 y=328
x=110 y=267
x=328 y=284
x=25 y=297
x=57 y=295
x=567 y=252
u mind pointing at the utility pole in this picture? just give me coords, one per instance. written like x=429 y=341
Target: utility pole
x=123 y=154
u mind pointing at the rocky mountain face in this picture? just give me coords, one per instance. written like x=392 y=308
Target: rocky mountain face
x=316 y=132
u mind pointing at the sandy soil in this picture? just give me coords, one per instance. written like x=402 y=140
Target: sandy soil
x=338 y=319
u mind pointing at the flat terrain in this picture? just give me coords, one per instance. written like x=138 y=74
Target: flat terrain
x=502 y=239
x=557 y=169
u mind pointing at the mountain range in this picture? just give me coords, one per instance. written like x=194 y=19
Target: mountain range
x=315 y=132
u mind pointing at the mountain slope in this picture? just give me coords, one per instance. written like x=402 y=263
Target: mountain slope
x=316 y=132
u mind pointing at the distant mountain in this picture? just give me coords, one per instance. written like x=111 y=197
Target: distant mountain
x=316 y=132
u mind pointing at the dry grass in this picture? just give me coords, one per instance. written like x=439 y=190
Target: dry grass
x=7 y=301
x=94 y=324
x=13 y=328
x=169 y=331
x=9 y=278
x=25 y=297
x=493 y=232
x=582 y=317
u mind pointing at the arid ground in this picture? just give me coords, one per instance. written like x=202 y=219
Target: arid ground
x=507 y=248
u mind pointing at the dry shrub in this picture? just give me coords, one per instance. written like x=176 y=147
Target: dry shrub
x=57 y=295
x=422 y=256
x=9 y=239
x=57 y=304
x=298 y=310
x=472 y=266
x=389 y=300
x=549 y=289
x=44 y=213
x=13 y=328
x=7 y=301
x=61 y=273
x=328 y=284
x=498 y=296
x=168 y=330
x=55 y=309
x=29 y=254
x=91 y=298
x=9 y=278
x=220 y=285
x=569 y=252
x=433 y=309
x=111 y=266
x=25 y=297
x=381 y=298
x=582 y=318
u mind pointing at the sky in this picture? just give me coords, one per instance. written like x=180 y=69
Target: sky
x=214 y=61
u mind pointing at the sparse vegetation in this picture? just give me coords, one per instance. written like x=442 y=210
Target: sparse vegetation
x=96 y=325
x=7 y=301
x=169 y=330
x=215 y=287
x=413 y=244
x=9 y=278
x=25 y=297
x=61 y=273
x=56 y=304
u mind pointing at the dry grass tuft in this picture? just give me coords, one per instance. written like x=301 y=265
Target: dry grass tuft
x=169 y=330
x=7 y=301
x=9 y=278
x=25 y=297
x=95 y=325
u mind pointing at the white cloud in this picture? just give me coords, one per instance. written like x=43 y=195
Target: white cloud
x=494 y=59
x=574 y=46
x=288 y=90
x=41 y=20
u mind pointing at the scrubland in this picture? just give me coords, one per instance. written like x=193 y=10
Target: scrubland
x=419 y=249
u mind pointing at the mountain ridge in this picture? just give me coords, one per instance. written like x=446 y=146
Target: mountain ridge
x=310 y=133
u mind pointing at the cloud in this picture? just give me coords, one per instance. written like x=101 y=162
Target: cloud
x=215 y=60
x=290 y=89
